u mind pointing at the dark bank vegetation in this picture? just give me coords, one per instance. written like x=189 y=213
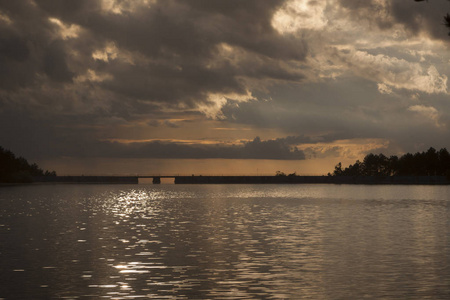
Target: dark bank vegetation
x=282 y=174
x=17 y=169
x=429 y=163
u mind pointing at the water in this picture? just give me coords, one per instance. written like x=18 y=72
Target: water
x=224 y=242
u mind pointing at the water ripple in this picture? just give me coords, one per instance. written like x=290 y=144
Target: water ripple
x=225 y=242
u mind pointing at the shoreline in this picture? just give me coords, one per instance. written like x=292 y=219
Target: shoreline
x=362 y=180
x=199 y=179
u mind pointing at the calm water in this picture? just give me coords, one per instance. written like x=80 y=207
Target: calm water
x=225 y=242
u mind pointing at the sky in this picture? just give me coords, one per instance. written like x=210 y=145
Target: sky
x=221 y=87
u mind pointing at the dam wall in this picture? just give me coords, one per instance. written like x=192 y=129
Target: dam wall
x=88 y=179
x=425 y=180
x=406 y=180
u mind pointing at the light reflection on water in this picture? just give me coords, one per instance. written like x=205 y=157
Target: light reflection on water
x=225 y=242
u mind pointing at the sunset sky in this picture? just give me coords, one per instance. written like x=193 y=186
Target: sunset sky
x=221 y=86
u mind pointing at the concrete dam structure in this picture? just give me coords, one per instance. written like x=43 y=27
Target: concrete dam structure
x=89 y=179
x=426 y=180
x=370 y=180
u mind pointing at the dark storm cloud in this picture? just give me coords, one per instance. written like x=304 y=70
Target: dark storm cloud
x=164 y=56
x=55 y=65
x=277 y=149
x=356 y=114
x=77 y=72
x=428 y=17
x=179 y=41
x=30 y=51
x=47 y=138
x=15 y=60
x=14 y=48
x=57 y=142
x=13 y=52
x=173 y=47
x=415 y=16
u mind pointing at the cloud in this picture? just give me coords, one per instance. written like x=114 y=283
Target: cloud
x=164 y=52
x=66 y=32
x=256 y=149
x=270 y=149
x=171 y=124
x=428 y=112
x=421 y=17
x=356 y=110
x=77 y=72
x=352 y=148
x=416 y=18
x=384 y=89
x=300 y=14
x=55 y=63
x=393 y=72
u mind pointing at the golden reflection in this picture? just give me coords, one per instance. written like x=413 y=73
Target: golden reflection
x=228 y=242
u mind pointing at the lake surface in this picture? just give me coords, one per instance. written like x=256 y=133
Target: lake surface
x=224 y=242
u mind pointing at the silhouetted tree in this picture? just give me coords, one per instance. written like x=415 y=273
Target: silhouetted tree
x=393 y=165
x=376 y=165
x=429 y=163
x=444 y=162
x=338 y=170
x=17 y=169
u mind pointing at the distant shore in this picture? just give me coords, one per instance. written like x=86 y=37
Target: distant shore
x=199 y=179
x=87 y=179
x=426 y=180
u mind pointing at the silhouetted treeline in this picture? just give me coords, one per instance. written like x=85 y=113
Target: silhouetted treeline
x=429 y=163
x=282 y=174
x=17 y=169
